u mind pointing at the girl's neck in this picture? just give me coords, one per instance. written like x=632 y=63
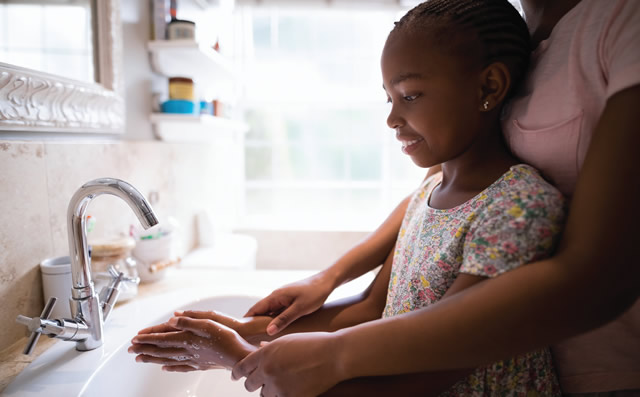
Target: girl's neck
x=473 y=171
x=543 y=15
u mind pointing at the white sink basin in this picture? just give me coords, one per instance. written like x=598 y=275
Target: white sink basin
x=110 y=370
x=150 y=380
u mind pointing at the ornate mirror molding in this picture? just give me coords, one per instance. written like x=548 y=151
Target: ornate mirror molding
x=37 y=101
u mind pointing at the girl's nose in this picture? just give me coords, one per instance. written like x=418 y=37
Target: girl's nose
x=394 y=120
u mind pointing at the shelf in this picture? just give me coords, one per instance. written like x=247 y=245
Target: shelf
x=193 y=128
x=187 y=58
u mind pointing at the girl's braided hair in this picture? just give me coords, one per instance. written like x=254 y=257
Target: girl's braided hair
x=460 y=25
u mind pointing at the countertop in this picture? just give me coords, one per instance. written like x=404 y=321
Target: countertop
x=12 y=361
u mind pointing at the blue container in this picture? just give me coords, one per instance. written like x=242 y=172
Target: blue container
x=206 y=108
x=180 y=106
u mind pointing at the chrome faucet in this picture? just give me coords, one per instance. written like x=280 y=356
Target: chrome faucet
x=89 y=311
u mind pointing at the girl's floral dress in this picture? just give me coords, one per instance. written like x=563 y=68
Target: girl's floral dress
x=514 y=221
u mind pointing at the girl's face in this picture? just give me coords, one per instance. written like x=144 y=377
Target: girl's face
x=435 y=99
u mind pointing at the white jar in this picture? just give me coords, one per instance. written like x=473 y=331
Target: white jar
x=56 y=281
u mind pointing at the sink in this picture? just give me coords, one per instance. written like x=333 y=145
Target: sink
x=110 y=370
x=150 y=380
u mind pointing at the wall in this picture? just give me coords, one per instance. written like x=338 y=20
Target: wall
x=139 y=80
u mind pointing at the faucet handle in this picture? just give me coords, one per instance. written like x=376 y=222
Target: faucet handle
x=116 y=275
x=36 y=325
x=109 y=294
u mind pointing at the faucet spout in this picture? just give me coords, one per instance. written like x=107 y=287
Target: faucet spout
x=85 y=304
x=78 y=248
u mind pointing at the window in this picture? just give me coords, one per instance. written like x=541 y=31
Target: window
x=319 y=153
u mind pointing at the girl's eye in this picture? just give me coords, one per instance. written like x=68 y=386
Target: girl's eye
x=410 y=98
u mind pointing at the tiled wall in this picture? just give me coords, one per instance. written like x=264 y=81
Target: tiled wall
x=37 y=180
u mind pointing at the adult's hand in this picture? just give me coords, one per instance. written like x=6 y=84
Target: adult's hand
x=186 y=344
x=292 y=365
x=293 y=301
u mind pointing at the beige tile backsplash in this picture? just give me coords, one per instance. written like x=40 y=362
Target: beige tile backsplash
x=37 y=180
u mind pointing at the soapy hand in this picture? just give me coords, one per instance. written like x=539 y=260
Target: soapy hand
x=253 y=329
x=186 y=344
x=293 y=301
x=294 y=365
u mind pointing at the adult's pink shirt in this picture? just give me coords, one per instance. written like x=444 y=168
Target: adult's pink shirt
x=592 y=53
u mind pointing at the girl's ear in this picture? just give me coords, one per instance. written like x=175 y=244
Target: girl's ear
x=495 y=81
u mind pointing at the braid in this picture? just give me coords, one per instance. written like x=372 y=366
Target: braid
x=497 y=26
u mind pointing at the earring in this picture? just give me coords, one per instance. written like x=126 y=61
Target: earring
x=485 y=105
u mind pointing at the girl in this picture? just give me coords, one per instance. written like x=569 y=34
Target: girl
x=447 y=68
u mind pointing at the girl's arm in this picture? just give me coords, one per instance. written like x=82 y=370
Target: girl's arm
x=522 y=310
x=347 y=312
x=306 y=296
x=157 y=344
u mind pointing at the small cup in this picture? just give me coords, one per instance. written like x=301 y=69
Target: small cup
x=56 y=281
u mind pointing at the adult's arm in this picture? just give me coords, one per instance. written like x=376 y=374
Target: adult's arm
x=544 y=302
x=591 y=280
x=425 y=384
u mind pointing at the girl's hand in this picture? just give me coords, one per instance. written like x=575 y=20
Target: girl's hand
x=253 y=329
x=293 y=301
x=186 y=344
x=301 y=365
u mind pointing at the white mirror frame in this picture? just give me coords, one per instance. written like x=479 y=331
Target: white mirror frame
x=36 y=101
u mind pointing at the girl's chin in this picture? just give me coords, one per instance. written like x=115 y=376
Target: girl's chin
x=422 y=163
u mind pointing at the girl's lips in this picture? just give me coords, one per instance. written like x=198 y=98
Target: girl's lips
x=409 y=147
